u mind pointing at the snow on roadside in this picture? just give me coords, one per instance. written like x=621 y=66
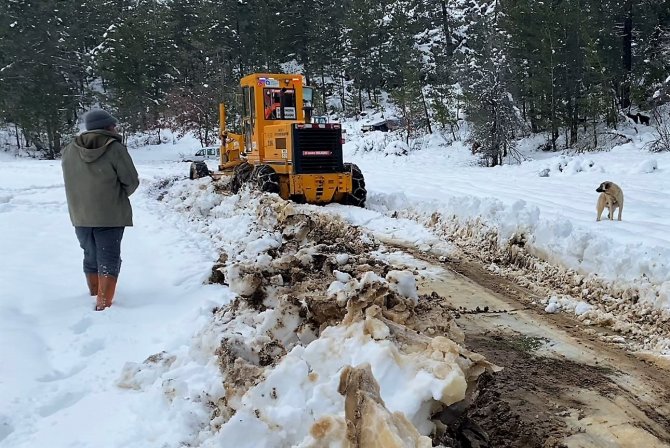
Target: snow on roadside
x=60 y=357
x=283 y=343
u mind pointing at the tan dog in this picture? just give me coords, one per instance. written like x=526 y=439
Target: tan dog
x=611 y=197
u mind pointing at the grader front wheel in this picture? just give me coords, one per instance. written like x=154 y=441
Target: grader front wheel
x=241 y=175
x=198 y=170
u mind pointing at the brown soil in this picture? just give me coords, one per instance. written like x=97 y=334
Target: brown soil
x=519 y=406
x=561 y=384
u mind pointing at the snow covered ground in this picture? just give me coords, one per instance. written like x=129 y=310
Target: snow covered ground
x=556 y=214
x=74 y=377
x=61 y=359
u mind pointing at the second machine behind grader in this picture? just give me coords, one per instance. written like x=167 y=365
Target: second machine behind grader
x=280 y=150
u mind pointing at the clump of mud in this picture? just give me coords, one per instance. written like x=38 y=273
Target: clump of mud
x=319 y=274
x=369 y=422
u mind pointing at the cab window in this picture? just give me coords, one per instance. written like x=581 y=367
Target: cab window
x=245 y=101
x=200 y=153
x=279 y=104
x=248 y=117
x=211 y=151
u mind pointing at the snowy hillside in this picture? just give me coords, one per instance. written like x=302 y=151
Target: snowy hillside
x=177 y=357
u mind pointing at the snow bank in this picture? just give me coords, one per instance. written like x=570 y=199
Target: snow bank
x=556 y=240
x=275 y=356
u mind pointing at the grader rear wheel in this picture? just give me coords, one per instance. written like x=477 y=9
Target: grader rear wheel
x=267 y=179
x=358 y=192
x=241 y=175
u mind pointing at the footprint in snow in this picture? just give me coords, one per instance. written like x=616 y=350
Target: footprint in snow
x=57 y=375
x=81 y=326
x=60 y=402
x=6 y=427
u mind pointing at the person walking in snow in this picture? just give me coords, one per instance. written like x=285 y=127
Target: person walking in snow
x=99 y=177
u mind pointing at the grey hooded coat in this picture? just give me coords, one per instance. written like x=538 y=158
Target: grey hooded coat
x=99 y=177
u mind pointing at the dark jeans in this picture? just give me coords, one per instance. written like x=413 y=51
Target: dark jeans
x=102 y=249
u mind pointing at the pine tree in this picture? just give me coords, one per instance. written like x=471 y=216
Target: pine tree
x=364 y=36
x=135 y=62
x=404 y=70
x=325 y=50
x=485 y=78
x=42 y=87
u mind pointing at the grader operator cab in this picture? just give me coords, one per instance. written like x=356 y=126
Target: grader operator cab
x=280 y=150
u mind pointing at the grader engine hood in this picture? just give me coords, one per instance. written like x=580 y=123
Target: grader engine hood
x=317 y=148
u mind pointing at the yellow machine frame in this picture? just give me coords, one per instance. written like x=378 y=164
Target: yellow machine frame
x=270 y=141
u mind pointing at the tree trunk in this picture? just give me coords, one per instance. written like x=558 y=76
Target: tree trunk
x=57 y=143
x=18 y=138
x=627 y=54
x=574 y=125
x=554 y=137
x=445 y=28
x=425 y=110
x=323 y=93
x=343 y=92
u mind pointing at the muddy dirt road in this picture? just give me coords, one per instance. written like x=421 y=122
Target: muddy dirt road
x=561 y=385
x=565 y=382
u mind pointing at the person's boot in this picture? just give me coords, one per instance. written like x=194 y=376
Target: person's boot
x=106 y=288
x=92 y=282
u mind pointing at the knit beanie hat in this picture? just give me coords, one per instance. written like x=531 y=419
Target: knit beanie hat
x=98 y=119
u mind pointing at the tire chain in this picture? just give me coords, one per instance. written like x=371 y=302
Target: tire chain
x=242 y=174
x=359 y=193
x=267 y=179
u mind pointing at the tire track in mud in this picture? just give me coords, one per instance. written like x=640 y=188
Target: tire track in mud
x=619 y=308
x=551 y=362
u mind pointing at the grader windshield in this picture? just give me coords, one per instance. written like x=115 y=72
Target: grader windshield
x=279 y=104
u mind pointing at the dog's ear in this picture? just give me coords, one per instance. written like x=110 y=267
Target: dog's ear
x=606 y=185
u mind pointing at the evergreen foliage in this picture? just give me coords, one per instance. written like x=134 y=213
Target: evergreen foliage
x=514 y=66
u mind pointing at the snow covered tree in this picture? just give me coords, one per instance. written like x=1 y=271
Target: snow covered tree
x=365 y=35
x=134 y=61
x=404 y=69
x=325 y=50
x=485 y=78
x=44 y=70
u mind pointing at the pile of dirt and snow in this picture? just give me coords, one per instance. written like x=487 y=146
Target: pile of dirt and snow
x=323 y=341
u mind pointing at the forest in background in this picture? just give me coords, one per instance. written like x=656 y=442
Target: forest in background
x=513 y=67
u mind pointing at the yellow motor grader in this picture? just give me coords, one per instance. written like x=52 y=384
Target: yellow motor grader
x=281 y=150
